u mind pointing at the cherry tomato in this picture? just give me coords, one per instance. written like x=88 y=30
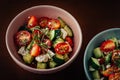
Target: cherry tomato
x=53 y=24
x=43 y=21
x=62 y=48
x=48 y=42
x=22 y=38
x=111 y=77
x=32 y=22
x=35 y=51
x=115 y=76
x=69 y=40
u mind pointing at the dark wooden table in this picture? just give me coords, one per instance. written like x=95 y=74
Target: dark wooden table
x=93 y=16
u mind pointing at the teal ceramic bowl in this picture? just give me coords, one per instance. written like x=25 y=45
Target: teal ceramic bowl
x=96 y=41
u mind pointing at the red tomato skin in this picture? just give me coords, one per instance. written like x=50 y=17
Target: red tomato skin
x=107 y=46
x=22 y=36
x=32 y=22
x=43 y=21
x=62 y=48
x=35 y=51
x=69 y=40
x=53 y=24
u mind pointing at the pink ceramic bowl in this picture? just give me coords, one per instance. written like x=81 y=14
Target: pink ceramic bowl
x=39 y=11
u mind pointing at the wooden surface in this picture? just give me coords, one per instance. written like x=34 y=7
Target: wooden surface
x=93 y=16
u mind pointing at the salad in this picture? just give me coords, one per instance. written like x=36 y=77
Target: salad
x=105 y=62
x=44 y=42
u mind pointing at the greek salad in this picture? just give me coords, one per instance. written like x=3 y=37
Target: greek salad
x=105 y=62
x=44 y=42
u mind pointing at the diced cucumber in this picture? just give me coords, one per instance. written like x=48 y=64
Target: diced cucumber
x=68 y=30
x=107 y=58
x=62 y=23
x=41 y=65
x=59 y=59
x=54 y=34
x=97 y=52
x=66 y=57
x=28 y=58
x=91 y=68
x=102 y=67
x=96 y=75
x=95 y=63
x=57 y=33
x=58 y=40
x=63 y=33
x=51 y=34
x=60 y=56
x=52 y=64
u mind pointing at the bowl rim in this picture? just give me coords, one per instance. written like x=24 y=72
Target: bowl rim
x=88 y=45
x=58 y=68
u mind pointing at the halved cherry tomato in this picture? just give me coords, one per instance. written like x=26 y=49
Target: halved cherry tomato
x=53 y=24
x=35 y=51
x=62 y=48
x=115 y=76
x=43 y=21
x=69 y=40
x=32 y=22
x=22 y=38
x=111 y=77
x=107 y=46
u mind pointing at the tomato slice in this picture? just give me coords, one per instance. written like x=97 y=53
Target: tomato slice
x=115 y=76
x=62 y=48
x=53 y=24
x=35 y=51
x=22 y=38
x=43 y=21
x=32 y=22
x=69 y=40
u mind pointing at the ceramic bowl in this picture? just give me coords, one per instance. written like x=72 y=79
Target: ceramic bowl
x=39 y=11
x=95 y=42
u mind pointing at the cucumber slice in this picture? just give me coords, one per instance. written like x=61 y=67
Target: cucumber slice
x=63 y=33
x=96 y=75
x=59 y=59
x=52 y=64
x=28 y=58
x=57 y=33
x=58 y=40
x=41 y=65
x=91 y=68
x=68 y=30
x=62 y=23
x=54 y=34
x=66 y=57
x=102 y=67
x=97 y=52
x=108 y=58
x=95 y=63
x=51 y=34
